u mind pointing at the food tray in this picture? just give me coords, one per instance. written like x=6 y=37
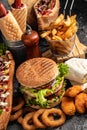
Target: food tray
x=78 y=121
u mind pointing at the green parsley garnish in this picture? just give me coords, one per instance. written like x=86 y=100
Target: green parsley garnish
x=3 y=48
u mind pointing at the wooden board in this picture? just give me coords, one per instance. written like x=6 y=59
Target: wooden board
x=79 y=51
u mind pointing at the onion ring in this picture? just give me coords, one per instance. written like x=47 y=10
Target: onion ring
x=36 y=120
x=16 y=115
x=20 y=119
x=20 y=104
x=53 y=123
x=26 y=123
x=26 y=110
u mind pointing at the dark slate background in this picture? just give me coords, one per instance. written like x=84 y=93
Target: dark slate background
x=77 y=122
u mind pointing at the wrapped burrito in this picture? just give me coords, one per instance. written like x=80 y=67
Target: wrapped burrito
x=77 y=70
x=46 y=12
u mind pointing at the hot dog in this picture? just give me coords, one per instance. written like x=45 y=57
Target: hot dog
x=7 y=64
x=19 y=11
x=3 y=11
x=17 y=4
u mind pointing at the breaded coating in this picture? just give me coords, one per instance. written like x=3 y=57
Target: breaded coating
x=80 y=102
x=68 y=106
x=86 y=104
x=73 y=91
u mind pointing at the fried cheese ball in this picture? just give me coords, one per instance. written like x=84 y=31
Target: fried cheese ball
x=81 y=102
x=68 y=106
x=73 y=91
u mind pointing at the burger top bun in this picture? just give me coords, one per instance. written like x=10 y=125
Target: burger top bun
x=37 y=72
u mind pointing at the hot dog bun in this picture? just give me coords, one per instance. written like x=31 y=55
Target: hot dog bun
x=5 y=115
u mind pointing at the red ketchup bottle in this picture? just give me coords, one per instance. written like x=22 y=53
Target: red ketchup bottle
x=31 y=40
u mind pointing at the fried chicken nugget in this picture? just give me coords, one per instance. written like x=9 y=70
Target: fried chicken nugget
x=68 y=106
x=73 y=91
x=86 y=105
x=80 y=102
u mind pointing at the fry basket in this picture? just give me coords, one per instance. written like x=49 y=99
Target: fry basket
x=62 y=47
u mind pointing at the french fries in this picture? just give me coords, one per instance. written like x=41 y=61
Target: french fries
x=67 y=22
x=61 y=34
x=56 y=38
x=43 y=35
x=59 y=19
x=61 y=28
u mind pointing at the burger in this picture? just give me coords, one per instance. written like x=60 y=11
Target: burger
x=42 y=82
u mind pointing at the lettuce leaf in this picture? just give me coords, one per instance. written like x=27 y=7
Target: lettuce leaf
x=40 y=97
x=46 y=103
x=63 y=69
x=3 y=48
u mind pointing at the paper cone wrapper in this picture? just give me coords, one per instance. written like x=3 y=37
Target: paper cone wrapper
x=31 y=16
x=21 y=16
x=10 y=28
x=44 y=21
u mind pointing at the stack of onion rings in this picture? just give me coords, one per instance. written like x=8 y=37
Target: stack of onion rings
x=31 y=119
x=42 y=118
